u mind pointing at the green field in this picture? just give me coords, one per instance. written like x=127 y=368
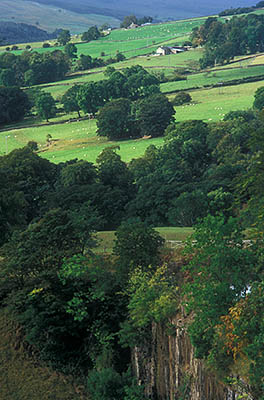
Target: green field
x=240 y=69
x=79 y=140
x=212 y=78
x=213 y=104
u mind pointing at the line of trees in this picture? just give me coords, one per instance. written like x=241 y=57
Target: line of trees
x=132 y=83
x=224 y=41
x=241 y=10
x=132 y=19
x=31 y=68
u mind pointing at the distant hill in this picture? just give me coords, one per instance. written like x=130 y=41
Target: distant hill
x=160 y=9
x=50 y=17
x=11 y=32
x=79 y=15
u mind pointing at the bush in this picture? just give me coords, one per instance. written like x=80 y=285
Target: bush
x=32 y=145
x=45 y=45
x=105 y=385
x=108 y=384
x=181 y=98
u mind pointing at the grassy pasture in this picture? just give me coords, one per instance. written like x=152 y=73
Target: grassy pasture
x=229 y=72
x=153 y=31
x=213 y=104
x=71 y=140
x=79 y=140
x=212 y=78
x=167 y=63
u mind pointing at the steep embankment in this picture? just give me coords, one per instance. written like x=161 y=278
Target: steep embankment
x=165 y=364
x=21 y=377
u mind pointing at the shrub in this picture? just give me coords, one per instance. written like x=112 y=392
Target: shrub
x=32 y=145
x=45 y=45
x=181 y=98
x=108 y=384
x=105 y=385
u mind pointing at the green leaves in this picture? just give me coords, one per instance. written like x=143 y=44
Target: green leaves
x=224 y=297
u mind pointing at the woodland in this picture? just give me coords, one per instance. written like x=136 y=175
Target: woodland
x=82 y=310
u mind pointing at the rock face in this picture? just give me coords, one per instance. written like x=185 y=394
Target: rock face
x=166 y=366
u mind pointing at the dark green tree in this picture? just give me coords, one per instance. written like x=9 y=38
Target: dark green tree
x=70 y=50
x=45 y=106
x=79 y=173
x=92 y=34
x=64 y=37
x=181 y=98
x=7 y=77
x=259 y=99
x=69 y=100
x=137 y=244
x=128 y=20
x=90 y=98
x=84 y=62
x=222 y=280
x=154 y=114
x=115 y=120
x=14 y=104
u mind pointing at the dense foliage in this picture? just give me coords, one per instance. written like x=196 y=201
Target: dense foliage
x=32 y=68
x=120 y=119
x=82 y=312
x=13 y=32
x=223 y=280
x=132 y=19
x=14 y=104
x=224 y=41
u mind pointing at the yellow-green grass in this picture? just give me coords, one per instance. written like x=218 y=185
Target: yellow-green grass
x=167 y=63
x=57 y=89
x=257 y=60
x=89 y=149
x=130 y=48
x=106 y=238
x=79 y=140
x=71 y=140
x=22 y=377
x=163 y=30
x=132 y=42
x=212 y=78
x=213 y=104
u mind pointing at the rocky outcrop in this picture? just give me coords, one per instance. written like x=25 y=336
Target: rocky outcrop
x=165 y=364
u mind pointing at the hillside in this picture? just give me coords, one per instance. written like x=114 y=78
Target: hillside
x=165 y=9
x=22 y=376
x=11 y=32
x=49 y=18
